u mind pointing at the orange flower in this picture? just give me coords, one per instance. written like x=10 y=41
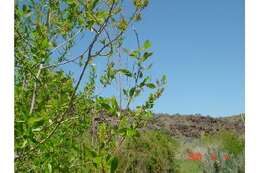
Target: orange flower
x=226 y=157
x=213 y=156
x=195 y=156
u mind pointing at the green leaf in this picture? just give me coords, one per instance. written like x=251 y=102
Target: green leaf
x=147 y=44
x=36 y=122
x=164 y=79
x=130 y=132
x=146 y=56
x=94 y=4
x=106 y=106
x=101 y=16
x=122 y=25
x=131 y=92
x=45 y=43
x=81 y=61
x=91 y=153
x=150 y=85
x=24 y=144
x=70 y=2
x=137 y=92
x=114 y=103
x=125 y=72
x=144 y=81
x=104 y=103
x=138 y=17
x=113 y=164
x=97 y=160
x=134 y=54
x=114 y=107
x=37 y=129
x=125 y=92
x=141 y=3
x=90 y=24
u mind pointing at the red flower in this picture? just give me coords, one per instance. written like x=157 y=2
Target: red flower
x=226 y=157
x=195 y=156
x=213 y=156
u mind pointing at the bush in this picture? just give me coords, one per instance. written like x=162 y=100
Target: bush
x=153 y=151
x=232 y=143
x=227 y=141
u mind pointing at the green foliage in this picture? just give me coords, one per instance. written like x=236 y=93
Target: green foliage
x=141 y=3
x=227 y=141
x=147 y=44
x=61 y=123
x=153 y=151
x=122 y=25
x=233 y=143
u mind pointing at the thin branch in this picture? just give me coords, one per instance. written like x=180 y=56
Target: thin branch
x=66 y=61
x=138 y=70
x=66 y=41
x=98 y=53
x=137 y=38
x=110 y=44
x=139 y=55
x=119 y=145
x=34 y=90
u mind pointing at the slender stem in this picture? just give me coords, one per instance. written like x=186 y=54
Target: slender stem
x=35 y=90
x=119 y=145
x=66 y=41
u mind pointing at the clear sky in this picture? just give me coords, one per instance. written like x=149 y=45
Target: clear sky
x=199 y=45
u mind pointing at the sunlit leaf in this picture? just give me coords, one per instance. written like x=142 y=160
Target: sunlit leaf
x=150 y=85
x=147 y=44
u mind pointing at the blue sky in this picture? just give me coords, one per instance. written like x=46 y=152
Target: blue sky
x=199 y=45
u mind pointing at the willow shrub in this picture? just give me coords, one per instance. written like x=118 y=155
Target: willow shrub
x=62 y=123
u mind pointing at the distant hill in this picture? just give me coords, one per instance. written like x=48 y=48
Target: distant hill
x=196 y=125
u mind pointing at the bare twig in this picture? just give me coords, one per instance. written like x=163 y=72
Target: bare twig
x=34 y=90
x=110 y=44
x=66 y=61
x=117 y=149
x=65 y=42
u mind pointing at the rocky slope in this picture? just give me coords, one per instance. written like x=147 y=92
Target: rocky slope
x=196 y=125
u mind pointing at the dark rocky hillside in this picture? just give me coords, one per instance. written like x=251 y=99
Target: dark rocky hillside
x=196 y=125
